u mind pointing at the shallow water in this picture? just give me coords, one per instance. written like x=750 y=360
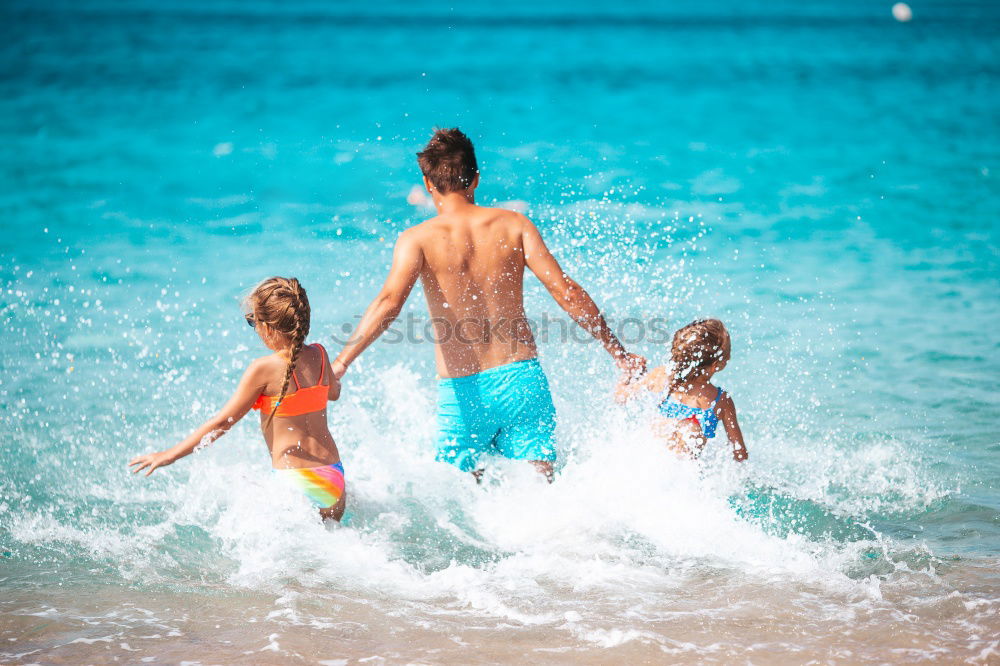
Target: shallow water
x=822 y=178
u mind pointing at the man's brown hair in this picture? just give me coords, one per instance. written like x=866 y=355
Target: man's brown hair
x=448 y=161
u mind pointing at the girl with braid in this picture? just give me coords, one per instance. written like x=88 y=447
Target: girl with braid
x=689 y=407
x=290 y=387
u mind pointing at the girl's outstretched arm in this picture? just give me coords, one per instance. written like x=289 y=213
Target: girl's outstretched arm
x=727 y=409
x=251 y=385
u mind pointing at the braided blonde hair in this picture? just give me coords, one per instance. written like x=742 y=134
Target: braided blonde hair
x=282 y=304
x=695 y=348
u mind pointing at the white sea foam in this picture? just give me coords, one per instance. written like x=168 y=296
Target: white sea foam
x=624 y=517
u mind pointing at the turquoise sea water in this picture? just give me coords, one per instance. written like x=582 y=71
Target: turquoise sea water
x=820 y=176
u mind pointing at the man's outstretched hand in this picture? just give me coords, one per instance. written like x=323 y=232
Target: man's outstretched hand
x=338 y=368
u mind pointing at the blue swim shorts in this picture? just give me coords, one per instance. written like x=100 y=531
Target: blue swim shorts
x=505 y=411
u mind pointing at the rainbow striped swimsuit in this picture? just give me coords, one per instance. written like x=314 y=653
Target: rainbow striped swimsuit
x=324 y=486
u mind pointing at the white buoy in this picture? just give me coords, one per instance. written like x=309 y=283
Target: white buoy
x=222 y=149
x=418 y=197
x=902 y=12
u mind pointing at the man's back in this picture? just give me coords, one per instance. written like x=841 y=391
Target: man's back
x=472 y=272
x=493 y=397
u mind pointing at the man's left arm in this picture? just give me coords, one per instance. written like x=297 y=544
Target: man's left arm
x=574 y=299
x=407 y=260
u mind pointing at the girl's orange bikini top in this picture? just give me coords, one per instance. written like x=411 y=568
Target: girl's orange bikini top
x=302 y=400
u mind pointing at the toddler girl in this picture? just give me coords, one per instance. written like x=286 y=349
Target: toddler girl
x=690 y=407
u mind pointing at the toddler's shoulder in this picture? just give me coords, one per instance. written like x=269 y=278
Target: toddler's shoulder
x=725 y=400
x=657 y=379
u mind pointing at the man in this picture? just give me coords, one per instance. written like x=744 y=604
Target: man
x=492 y=394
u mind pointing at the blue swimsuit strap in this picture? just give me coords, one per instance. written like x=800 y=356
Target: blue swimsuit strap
x=711 y=413
x=718 y=398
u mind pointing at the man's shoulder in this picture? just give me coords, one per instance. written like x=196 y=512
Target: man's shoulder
x=414 y=233
x=510 y=222
x=503 y=214
x=479 y=214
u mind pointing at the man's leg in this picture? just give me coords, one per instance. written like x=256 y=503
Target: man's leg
x=460 y=437
x=545 y=468
x=529 y=419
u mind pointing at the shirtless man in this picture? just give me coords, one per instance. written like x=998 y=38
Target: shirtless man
x=493 y=397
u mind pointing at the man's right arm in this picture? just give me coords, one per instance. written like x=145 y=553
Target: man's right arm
x=407 y=259
x=573 y=298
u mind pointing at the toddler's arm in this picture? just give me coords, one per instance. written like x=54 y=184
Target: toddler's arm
x=727 y=409
x=251 y=385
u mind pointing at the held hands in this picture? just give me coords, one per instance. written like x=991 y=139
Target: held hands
x=151 y=461
x=633 y=368
x=633 y=365
x=338 y=368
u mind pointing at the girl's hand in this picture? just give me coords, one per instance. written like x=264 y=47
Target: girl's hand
x=740 y=453
x=152 y=461
x=251 y=385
